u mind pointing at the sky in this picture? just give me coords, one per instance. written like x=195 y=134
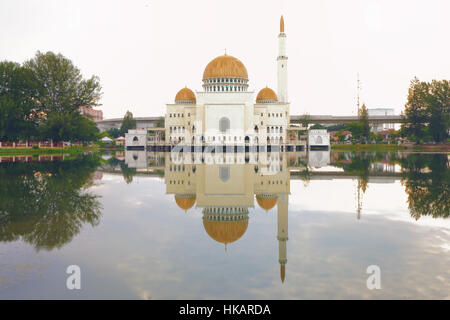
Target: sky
x=144 y=51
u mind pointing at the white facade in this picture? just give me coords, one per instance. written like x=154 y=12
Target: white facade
x=318 y=138
x=136 y=139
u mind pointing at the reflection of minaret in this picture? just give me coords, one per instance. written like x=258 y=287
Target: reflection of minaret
x=282 y=219
x=282 y=64
x=358 y=210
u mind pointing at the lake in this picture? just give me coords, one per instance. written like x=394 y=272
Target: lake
x=289 y=225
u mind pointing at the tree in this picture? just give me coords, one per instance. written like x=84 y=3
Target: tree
x=439 y=110
x=61 y=87
x=305 y=120
x=113 y=133
x=127 y=123
x=427 y=111
x=364 y=122
x=69 y=127
x=18 y=116
x=356 y=128
x=317 y=126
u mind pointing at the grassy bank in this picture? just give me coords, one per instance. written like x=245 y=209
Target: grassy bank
x=391 y=147
x=367 y=147
x=44 y=151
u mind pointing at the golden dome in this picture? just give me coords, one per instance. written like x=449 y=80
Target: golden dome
x=185 y=202
x=225 y=66
x=266 y=94
x=266 y=202
x=225 y=231
x=185 y=95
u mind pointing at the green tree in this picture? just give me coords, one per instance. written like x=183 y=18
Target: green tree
x=160 y=122
x=364 y=122
x=439 y=110
x=356 y=128
x=61 y=87
x=427 y=111
x=113 y=133
x=69 y=127
x=128 y=123
x=18 y=109
x=317 y=126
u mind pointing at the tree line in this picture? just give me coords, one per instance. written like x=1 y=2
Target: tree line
x=426 y=116
x=427 y=111
x=41 y=98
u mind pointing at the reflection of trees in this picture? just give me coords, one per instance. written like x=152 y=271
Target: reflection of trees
x=426 y=180
x=127 y=173
x=46 y=204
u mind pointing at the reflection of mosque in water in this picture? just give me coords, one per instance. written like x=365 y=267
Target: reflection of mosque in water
x=225 y=187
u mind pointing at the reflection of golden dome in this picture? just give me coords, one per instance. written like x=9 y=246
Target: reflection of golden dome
x=266 y=202
x=185 y=202
x=225 y=66
x=225 y=231
x=185 y=95
x=266 y=94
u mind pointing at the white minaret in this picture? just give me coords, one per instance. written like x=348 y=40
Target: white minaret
x=282 y=64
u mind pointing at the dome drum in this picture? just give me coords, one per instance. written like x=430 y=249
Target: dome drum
x=225 y=225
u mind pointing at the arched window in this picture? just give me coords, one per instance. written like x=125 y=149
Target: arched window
x=224 y=124
x=224 y=173
x=135 y=139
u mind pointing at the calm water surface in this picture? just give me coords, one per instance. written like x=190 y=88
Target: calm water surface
x=236 y=226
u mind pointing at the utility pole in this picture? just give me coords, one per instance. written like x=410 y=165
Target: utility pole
x=358 y=93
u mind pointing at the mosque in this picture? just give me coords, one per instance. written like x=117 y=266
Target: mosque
x=225 y=112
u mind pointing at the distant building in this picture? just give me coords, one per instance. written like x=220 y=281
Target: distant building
x=95 y=115
x=377 y=127
x=136 y=139
x=318 y=138
x=120 y=141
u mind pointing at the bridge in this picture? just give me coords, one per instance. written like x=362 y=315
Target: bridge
x=152 y=122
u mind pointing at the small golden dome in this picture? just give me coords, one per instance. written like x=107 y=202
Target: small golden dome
x=225 y=66
x=185 y=95
x=225 y=231
x=266 y=95
x=185 y=202
x=266 y=202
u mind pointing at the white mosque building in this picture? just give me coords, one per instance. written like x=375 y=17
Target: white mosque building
x=225 y=112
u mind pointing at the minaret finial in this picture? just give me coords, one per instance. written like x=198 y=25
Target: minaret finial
x=225 y=51
x=282 y=24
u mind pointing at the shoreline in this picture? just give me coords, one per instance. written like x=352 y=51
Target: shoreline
x=391 y=147
x=44 y=151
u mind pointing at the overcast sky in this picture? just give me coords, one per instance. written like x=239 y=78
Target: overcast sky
x=144 y=51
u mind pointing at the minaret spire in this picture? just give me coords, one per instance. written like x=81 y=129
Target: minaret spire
x=282 y=64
